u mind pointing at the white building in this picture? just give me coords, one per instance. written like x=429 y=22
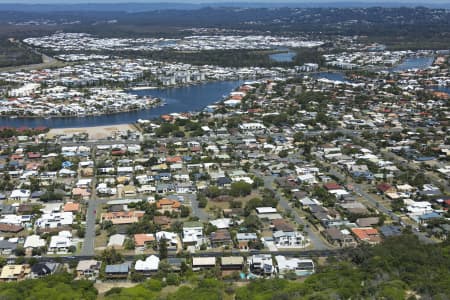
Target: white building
x=149 y=265
x=61 y=243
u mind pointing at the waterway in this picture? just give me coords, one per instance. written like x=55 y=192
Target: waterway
x=287 y=56
x=180 y=99
x=419 y=62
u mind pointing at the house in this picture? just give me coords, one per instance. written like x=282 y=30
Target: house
x=61 y=243
x=88 y=269
x=169 y=205
x=122 y=217
x=176 y=263
x=81 y=193
x=20 y=195
x=10 y=228
x=232 y=263
x=116 y=241
x=220 y=238
x=141 y=240
x=34 y=242
x=367 y=222
x=243 y=240
x=117 y=271
x=14 y=272
x=301 y=267
x=148 y=266
x=261 y=264
x=71 y=207
x=162 y=221
x=339 y=238
x=43 y=269
x=390 y=230
x=193 y=234
x=386 y=188
x=7 y=248
x=290 y=239
x=203 y=263
x=171 y=238
x=367 y=235
x=54 y=220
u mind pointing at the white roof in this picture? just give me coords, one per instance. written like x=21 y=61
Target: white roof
x=116 y=240
x=221 y=223
x=266 y=210
x=203 y=261
x=151 y=263
x=34 y=241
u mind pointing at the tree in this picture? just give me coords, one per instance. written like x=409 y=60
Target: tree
x=163 y=251
x=240 y=189
x=184 y=211
x=110 y=256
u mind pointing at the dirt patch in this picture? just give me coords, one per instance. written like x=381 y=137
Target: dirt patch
x=103 y=287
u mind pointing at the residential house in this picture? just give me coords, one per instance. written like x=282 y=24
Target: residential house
x=193 y=234
x=339 y=238
x=203 y=263
x=232 y=263
x=42 y=269
x=220 y=238
x=261 y=264
x=168 y=205
x=122 y=217
x=148 y=266
x=301 y=267
x=367 y=235
x=243 y=240
x=142 y=240
x=61 y=243
x=289 y=239
x=88 y=269
x=15 y=272
x=6 y=247
x=117 y=271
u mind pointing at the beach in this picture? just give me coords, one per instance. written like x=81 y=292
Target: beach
x=95 y=132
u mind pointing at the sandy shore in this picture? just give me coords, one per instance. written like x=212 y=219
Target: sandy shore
x=95 y=132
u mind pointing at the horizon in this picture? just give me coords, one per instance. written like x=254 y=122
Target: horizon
x=199 y=2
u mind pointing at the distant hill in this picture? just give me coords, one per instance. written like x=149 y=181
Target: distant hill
x=140 y=7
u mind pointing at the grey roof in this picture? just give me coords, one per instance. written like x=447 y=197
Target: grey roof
x=7 y=245
x=119 y=268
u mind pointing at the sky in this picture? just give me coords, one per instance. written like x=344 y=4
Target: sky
x=418 y=2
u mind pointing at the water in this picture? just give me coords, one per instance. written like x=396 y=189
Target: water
x=418 y=62
x=181 y=99
x=336 y=76
x=283 y=57
x=444 y=89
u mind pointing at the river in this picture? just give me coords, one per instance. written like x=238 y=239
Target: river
x=180 y=99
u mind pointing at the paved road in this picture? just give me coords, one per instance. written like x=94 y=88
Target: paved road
x=89 y=237
x=314 y=237
x=197 y=211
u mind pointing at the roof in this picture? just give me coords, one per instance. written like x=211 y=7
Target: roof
x=71 y=206
x=332 y=186
x=142 y=238
x=203 y=261
x=151 y=263
x=232 y=260
x=192 y=224
x=118 y=268
x=165 y=201
x=367 y=234
x=87 y=264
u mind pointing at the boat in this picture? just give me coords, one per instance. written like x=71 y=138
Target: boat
x=13 y=117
